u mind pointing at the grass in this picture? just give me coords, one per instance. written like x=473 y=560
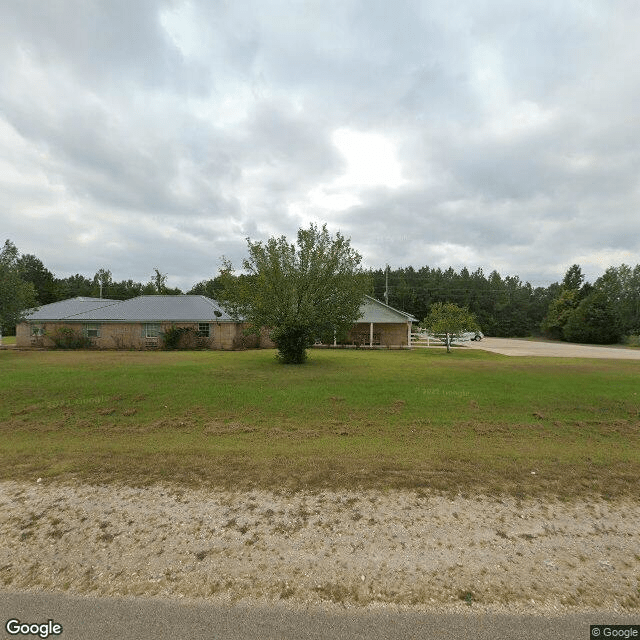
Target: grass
x=7 y=340
x=468 y=421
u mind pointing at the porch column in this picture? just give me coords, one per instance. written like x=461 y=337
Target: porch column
x=371 y=334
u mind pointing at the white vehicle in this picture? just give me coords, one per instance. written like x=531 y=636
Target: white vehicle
x=468 y=336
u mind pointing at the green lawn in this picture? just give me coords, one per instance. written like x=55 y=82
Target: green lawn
x=8 y=340
x=424 y=419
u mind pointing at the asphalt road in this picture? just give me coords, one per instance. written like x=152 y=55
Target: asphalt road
x=87 y=618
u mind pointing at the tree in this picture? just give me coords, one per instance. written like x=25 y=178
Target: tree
x=210 y=288
x=102 y=282
x=593 y=321
x=558 y=313
x=450 y=319
x=33 y=270
x=159 y=281
x=16 y=295
x=571 y=293
x=574 y=278
x=298 y=291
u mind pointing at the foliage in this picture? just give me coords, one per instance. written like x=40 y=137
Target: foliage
x=102 y=284
x=183 y=338
x=297 y=290
x=211 y=288
x=68 y=338
x=33 y=270
x=572 y=291
x=573 y=279
x=594 y=321
x=16 y=295
x=621 y=285
x=503 y=306
x=450 y=319
x=559 y=312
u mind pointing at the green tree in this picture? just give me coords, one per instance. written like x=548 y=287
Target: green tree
x=16 y=295
x=449 y=319
x=211 y=288
x=102 y=282
x=298 y=291
x=33 y=270
x=572 y=291
x=593 y=321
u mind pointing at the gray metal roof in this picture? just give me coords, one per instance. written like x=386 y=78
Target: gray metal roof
x=180 y=308
x=68 y=308
x=375 y=311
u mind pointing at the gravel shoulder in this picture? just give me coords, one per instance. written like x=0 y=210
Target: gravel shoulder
x=368 y=548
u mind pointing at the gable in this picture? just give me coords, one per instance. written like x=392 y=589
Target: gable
x=375 y=311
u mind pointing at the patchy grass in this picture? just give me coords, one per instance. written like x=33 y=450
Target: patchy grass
x=465 y=421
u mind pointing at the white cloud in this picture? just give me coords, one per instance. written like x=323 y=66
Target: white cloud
x=162 y=133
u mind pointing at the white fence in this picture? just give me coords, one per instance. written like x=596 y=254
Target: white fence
x=424 y=339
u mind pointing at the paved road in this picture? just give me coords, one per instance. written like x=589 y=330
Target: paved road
x=85 y=618
x=521 y=347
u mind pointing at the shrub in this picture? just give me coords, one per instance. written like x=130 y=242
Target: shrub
x=68 y=338
x=183 y=338
x=292 y=342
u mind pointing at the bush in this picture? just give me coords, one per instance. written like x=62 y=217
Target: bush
x=593 y=321
x=632 y=341
x=183 y=338
x=292 y=343
x=68 y=338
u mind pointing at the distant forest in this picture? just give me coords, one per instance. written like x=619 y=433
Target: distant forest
x=605 y=311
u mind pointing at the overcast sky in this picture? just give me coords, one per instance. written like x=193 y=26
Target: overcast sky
x=501 y=134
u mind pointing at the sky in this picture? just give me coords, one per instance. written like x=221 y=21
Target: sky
x=493 y=134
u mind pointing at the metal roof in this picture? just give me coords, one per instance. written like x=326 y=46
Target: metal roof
x=68 y=308
x=181 y=308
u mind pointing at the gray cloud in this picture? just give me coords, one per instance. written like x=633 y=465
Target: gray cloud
x=162 y=133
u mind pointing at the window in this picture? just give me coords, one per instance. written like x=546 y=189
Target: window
x=91 y=330
x=203 y=330
x=151 y=330
x=37 y=330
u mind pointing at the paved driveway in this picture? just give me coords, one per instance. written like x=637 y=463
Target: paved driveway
x=522 y=347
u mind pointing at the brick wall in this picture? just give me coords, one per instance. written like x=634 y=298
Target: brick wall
x=124 y=335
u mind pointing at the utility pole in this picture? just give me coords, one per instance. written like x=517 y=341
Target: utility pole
x=386 y=285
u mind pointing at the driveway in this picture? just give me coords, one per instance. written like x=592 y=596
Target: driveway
x=523 y=347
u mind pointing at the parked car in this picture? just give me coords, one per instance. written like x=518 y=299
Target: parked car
x=469 y=335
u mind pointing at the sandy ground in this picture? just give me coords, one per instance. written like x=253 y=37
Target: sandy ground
x=521 y=347
x=354 y=548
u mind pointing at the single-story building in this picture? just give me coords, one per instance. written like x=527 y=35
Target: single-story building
x=381 y=325
x=137 y=323
x=140 y=323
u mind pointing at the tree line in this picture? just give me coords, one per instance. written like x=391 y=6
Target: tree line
x=605 y=311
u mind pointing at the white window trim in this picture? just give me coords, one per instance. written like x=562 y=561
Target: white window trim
x=91 y=326
x=154 y=327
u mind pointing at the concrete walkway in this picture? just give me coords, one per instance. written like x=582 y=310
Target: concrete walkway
x=523 y=347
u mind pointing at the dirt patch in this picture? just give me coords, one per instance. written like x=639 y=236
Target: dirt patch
x=359 y=548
